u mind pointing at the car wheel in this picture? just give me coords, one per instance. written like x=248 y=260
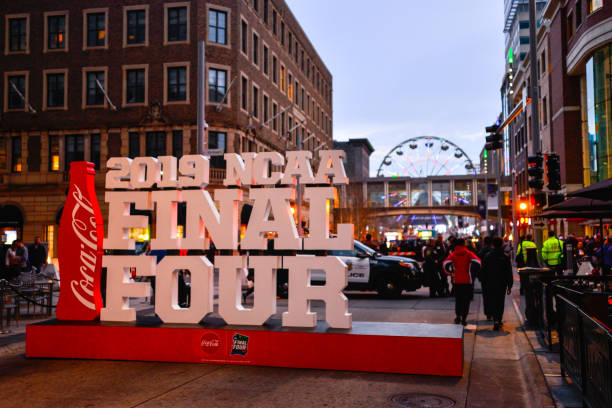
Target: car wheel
x=388 y=287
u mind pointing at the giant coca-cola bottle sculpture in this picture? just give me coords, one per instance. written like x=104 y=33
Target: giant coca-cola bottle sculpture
x=81 y=235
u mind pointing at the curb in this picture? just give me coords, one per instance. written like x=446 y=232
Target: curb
x=537 y=386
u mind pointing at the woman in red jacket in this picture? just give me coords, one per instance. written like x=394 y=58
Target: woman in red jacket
x=462 y=260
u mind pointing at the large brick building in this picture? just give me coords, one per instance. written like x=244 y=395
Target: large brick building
x=102 y=78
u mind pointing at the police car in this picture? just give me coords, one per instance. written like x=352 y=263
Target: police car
x=369 y=270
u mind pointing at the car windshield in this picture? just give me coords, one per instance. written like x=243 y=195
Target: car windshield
x=364 y=248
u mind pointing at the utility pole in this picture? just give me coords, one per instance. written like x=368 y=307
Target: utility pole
x=298 y=139
x=533 y=94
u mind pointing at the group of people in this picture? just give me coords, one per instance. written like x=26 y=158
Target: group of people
x=570 y=253
x=18 y=258
x=491 y=266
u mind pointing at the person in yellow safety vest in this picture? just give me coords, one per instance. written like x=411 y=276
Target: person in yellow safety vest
x=523 y=246
x=552 y=250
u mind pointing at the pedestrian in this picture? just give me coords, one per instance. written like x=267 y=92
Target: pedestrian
x=38 y=255
x=461 y=259
x=430 y=269
x=552 y=252
x=370 y=242
x=606 y=253
x=441 y=252
x=484 y=251
x=15 y=260
x=497 y=273
x=522 y=252
x=383 y=248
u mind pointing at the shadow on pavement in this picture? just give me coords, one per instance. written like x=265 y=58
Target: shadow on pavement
x=490 y=333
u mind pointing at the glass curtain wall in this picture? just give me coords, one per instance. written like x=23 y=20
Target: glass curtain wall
x=398 y=196
x=376 y=195
x=418 y=194
x=598 y=111
x=463 y=192
x=440 y=193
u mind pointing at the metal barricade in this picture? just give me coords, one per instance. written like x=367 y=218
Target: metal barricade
x=533 y=293
x=586 y=351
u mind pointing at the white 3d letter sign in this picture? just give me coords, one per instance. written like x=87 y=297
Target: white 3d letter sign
x=136 y=184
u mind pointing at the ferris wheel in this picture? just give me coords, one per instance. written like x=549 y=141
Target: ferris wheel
x=424 y=156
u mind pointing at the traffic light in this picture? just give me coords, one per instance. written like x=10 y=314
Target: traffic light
x=493 y=139
x=553 y=172
x=535 y=171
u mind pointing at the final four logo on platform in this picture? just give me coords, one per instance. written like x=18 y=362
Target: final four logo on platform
x=159 y=184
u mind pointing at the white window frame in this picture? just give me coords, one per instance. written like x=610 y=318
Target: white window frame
x=85 y=70
x=144 y=7
x=8 y=17
x=124 y=69
x=7 y=86
x=46 y=16
x=45 y=88
x=228 y=25
x=187 y=85
x=85 y=29
x=173 y=5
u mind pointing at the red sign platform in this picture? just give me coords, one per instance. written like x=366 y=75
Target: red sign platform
x=409 y=348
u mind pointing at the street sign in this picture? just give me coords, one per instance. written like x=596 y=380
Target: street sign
x=213 y=152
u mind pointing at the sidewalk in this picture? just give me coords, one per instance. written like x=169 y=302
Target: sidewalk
x=500 y=370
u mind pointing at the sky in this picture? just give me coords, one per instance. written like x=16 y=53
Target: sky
x=407 y=68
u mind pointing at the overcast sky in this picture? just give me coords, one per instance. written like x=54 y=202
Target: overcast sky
x=405 y=68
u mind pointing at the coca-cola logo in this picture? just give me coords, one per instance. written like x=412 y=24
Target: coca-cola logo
x=83 y=223
x=210 y=343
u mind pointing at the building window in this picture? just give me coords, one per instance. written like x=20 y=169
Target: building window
x=18 y=34
x=256 y=5
x=54 y=153
x=594 y=5
x=523 y=24
x=94 y=150
x=75 y=149
x=244 y=96
x=570 y=25
x=177 y=84
x=283 y=81
x=282 y=33
x=274 y=21
x=135 y=22
x=177 y=24
x=55 y=90
x=216 y=85
x=255 y=49
x=544 y=111
x=177 y=143
x=56 y=32
x=216 y=140
x=16 y=154
x=16 y=87
x=95 y=96
x=265 y=60
x=133 y=145
x=243 y=36
x=96 y=29
x=578 y=13
x=155 y=144
x=265 y=108
x=274 y=69
x=135 y=85
x=217 y=26
x=255 y=102
x=290 y=43
x=265 y=11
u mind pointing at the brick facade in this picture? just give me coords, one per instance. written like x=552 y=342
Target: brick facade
x=38 y=189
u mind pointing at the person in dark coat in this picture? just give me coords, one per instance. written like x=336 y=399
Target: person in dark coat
x=430 y=269
x=496 y=272
x=38 y=254
x=482 y=254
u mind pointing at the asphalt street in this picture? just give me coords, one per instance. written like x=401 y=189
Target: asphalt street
x=500 y=369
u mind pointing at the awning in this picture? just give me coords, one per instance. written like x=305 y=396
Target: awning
x=598 y=191
x=582 y=204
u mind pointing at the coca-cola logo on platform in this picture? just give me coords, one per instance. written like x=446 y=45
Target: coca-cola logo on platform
x=83 y=223
x=210 y=343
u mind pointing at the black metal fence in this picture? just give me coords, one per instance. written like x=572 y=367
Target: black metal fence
x=585 y=351
x=26 y=297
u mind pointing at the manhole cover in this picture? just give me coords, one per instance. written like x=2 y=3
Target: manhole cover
x=416 y=400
